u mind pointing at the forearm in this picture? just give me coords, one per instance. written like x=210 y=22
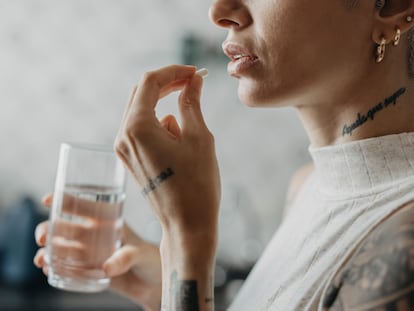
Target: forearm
x=188 y=270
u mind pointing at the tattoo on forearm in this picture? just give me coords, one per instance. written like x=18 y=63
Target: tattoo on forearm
x=154 y=183
x=370 y=115
x=183 y=294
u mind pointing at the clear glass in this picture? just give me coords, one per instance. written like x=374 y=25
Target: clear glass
x=86 y=217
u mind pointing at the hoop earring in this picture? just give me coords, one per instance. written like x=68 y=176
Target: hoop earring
x=381 y=50
x=397 y=37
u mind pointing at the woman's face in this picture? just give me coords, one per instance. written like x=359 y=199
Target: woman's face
x=286 y=51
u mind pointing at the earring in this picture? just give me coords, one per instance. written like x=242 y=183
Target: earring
x=409 y=19
x=397 y=37
x=381 y=50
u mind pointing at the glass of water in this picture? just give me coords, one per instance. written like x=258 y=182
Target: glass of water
x=85 y=222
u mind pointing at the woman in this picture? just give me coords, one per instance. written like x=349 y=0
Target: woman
x=346 y=240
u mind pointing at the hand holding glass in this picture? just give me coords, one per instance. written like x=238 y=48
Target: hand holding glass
x=86 y=217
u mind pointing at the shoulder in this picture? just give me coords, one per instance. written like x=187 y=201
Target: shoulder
x=380 y=275
x=296 y=183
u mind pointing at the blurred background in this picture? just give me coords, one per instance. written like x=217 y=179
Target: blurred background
x=66 y=72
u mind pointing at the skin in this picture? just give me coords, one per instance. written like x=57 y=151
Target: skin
x=380 y=274
x=135 y=268
x=317 y=57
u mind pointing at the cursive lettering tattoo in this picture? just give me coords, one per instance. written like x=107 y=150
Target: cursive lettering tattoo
x=370 y=115
x=154 y=183
x=183 y=294
x=380 y=276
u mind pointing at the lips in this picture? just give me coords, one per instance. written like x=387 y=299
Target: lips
x=241 y=58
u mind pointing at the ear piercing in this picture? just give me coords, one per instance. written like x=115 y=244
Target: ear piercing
x=381 y=50
x=409 y=19
x=381 y=47
x=397 y=37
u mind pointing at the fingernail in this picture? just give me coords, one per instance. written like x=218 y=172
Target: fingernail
x=47 y=200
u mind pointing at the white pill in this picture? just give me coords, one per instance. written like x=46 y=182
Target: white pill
x=203 y=72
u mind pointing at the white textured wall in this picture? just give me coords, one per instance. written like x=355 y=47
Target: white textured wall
x=66 y=70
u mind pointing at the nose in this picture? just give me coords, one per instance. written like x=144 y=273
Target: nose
x=230 y=14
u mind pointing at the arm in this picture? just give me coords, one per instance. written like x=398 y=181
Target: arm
x=188 y=267
x=380 y=276
x=176 y=170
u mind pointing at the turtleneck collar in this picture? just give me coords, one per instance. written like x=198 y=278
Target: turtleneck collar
x=364 y=166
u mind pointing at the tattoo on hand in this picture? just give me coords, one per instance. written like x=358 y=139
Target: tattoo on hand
x=154 y=183
x=370 y=115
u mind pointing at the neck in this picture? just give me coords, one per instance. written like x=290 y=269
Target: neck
x=369 y=108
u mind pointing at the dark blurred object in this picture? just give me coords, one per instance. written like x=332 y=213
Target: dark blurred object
x=17 y=245
x=22 y=285
x=199 y=51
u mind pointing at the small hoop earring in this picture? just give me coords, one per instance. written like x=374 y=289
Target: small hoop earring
x=409 y=19
x=397 y=37
x=381 y=50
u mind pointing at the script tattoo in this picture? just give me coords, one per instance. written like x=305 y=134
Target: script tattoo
x=154 y=183
x=380 y=276
x=183 y=294
x=370 y=115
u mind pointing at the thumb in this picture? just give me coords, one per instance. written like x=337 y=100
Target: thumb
x=121 y=261
x=171 y=125
x=189 y=105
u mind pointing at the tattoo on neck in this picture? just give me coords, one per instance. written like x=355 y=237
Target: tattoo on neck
x=156 y=182
x=370 y=115
x=183 y=294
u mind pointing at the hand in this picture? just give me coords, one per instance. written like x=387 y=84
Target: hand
x=178 y=173
x=135 y=268
x=175 y=167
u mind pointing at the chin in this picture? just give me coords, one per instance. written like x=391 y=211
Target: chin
x=258 y=97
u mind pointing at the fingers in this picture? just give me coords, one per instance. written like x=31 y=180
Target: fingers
x=135 y=254
x=47 y=200
x=171 y=125
x=86 y=233
x=75 y=206
x=39 y=258
x=91 y=254
x=39 y=261
x=41 y=233
x=189 y=104
x=155 y=83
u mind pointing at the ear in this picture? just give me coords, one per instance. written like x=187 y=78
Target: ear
x=389 y=16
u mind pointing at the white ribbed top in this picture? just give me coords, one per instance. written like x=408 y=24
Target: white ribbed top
x=354 y=187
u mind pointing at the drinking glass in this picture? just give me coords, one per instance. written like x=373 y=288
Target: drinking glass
x=86 y=217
